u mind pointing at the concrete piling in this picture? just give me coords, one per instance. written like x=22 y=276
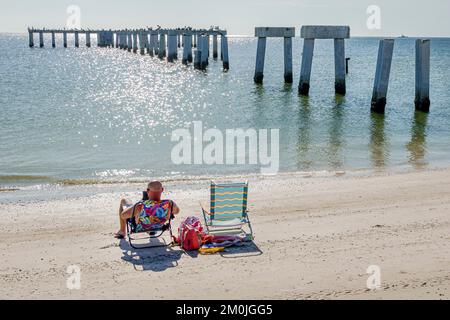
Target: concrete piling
x=260 y=57
x=273 y=32
x=310 y=34
x=288 y=77
x=305 y=73
x=124 y=40
x=41 y=39
x=152 y=50
x=208 y=39
x=77 y=40
x=187 y=49
x=119 y=36
x=382 y=74
x=422 y=100
x=65 y=39
x=162 y=46
x=224 y=51
x=53 y=40
x=143 y=41
x=203 y=40
x=172 y=39
x=88 y=39
x=215 y=47
x=339 y=64
x=135 y=42
x=30 y=38
x=197 y=58
x=195 y=40
x=129 y=41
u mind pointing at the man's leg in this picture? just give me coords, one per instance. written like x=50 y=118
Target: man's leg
x=124 y=215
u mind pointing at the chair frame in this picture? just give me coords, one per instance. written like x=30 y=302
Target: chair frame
x=231 y=228
x=158 y=233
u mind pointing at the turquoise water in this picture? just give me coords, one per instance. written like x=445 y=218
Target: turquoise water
x=86 y=115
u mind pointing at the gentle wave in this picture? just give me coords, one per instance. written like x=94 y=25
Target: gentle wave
x=52 y=181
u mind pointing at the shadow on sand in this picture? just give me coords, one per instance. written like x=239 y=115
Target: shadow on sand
x=156 y=259
x=161 y=258
x=247 y=250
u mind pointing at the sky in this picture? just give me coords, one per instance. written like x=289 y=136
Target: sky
x=240 y=17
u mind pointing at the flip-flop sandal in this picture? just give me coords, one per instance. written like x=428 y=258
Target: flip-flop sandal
x=119 y=236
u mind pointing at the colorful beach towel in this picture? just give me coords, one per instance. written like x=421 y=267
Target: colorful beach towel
x=154 y=215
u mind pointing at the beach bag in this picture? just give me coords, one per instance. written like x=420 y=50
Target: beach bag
x=190 y=234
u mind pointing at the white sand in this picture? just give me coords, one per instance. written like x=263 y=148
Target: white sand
x=318 y=237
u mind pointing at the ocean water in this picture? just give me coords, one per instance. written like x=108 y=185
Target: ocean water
x=92 y=115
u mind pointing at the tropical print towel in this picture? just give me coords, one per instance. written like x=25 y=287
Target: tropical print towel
x=154 y=215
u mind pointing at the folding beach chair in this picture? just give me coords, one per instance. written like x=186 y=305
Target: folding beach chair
x=228 y=209
x=154 y=220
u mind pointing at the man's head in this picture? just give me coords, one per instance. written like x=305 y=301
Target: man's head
x=155 y=190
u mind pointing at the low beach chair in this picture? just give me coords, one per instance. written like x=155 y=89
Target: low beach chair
x=154 y=220
x=228 y=212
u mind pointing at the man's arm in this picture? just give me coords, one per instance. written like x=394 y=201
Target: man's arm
x=175 y=210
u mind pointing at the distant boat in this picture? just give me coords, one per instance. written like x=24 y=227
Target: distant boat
x=403 y=36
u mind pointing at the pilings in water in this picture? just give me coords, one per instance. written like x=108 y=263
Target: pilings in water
x=288 y=77
x=105 y=39
x=215 y=47
x=197 y=57
x=153 y=47
x=310 y=34
x=204 y=43
x=88 y=39
x=224 y=51
x=187 y=48
x=135 y=42
x=260 y=58
x=382 y=74
x=77 y=39
x=162 y=45
x=143 y=41
x=306 y=68
x=422 y=100
x=274 y=32
x=129 y=41
x=30 y=38
x=41 y=39
x=172 y=46
x=161 y=42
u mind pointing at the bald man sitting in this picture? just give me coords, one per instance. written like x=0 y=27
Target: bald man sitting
x=154 y=192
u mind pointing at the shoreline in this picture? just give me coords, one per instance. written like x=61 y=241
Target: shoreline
x=317 y=237
x=42 y=184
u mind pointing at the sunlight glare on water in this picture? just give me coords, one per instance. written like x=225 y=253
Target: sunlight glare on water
x=109 y=114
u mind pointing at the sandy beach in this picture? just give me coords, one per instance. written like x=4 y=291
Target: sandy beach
x=316 y=235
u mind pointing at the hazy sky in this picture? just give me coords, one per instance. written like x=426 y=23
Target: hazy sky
x=409 y=17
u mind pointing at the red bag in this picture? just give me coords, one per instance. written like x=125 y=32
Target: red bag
x=190 y=234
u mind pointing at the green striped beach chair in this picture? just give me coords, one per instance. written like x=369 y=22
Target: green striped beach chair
x=228 y=209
